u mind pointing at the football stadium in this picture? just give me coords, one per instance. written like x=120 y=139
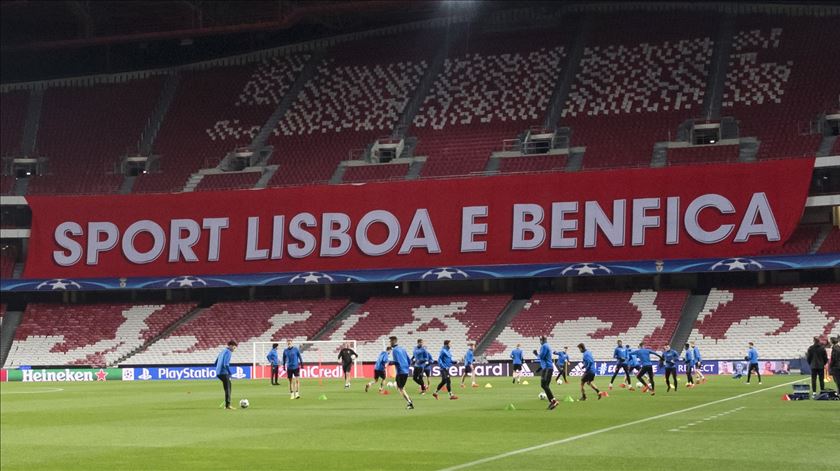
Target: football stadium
x=419 y=235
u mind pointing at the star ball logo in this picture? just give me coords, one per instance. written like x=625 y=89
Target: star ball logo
x=579 y=269
x=445 y=273
x=61 y=284
x=185 y=281
x=737 y=264
x=311 y=277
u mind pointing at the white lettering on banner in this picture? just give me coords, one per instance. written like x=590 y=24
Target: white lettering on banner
x=528 y=234
x=34 y=376
x=470 y=228
x=570 y=222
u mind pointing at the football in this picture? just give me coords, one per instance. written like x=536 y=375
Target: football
x=244 y=403
x=559 y=381
x=543 y=396
x=639 y=384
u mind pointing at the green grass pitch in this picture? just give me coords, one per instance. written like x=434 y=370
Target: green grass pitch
x=178 y=425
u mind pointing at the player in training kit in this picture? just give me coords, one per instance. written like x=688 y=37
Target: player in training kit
x=670 y=357
x=274 y=361
x=292 y=362
x=421 y=359
x=401 y=362
x=379 y=369
x=347 y=355
x=643 y=354
x=698 y=363
x=517 y=357
x=633 y=364
x=588 y=373
x=546 y=359
x=223 y=370
x=688 y=358
x=562 y=365
x=445 y=361
x=469 y=359
x=620 y=355
x=752 y=358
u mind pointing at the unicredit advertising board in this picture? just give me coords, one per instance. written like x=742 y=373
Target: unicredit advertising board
x=690 y=212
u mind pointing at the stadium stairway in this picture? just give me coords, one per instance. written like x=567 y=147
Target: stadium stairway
x=186 y=317
x=305 y=75
x=818 y=241
x=567 y=77
x=508 y=313
x=434 y=70
x=167 y=95
x=691 y=309
x=715 y=84
x=11 y=320
x=346 y=312
x=33 y=121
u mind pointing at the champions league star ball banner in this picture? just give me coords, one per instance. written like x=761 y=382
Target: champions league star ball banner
x=691 y=212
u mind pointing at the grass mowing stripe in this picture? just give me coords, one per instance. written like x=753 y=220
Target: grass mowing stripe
x=607 y=429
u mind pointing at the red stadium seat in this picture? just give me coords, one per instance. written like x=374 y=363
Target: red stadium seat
x=200 y=339
x=597 y=319
x=90 y=334
x=460 y=319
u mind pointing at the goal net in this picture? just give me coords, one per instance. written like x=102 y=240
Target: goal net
x=320 y=359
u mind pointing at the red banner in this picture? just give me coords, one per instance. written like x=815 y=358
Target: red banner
x=633 y=214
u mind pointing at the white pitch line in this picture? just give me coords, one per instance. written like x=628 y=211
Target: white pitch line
x=606 y=429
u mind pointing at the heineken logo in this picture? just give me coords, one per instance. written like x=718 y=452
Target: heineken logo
x=66 y=375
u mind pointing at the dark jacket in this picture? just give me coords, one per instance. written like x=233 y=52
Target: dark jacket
x=817 y=357
x=835 y=358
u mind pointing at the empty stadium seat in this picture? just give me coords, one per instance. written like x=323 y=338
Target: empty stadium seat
x=214 y=111
x=12 y=119
x=358 y=94
x=596 y=319
x=460 y=319
x=636 y=84
x=84 y=132
x=831 y=244
x=493 y=87
x=703 y=154
x=781 y=321
x=375 y=172
x=800 y=241
x=228 y=181
x=8 y=257
x=533 y=163
x=90 y=334
x=200 y=339
x=780 y=78
x=7 y=184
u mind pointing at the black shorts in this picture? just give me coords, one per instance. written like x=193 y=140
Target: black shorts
x=347 y=367
x=378 y=374
x=517 y=367
x=672 y=370
x=292 y=373
x=698 y=365
x=427 y=371
x=587 y=377
x=467 y=369
x=274 y=369
x=401 y=380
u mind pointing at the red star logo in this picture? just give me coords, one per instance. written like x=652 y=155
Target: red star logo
x=101 y=375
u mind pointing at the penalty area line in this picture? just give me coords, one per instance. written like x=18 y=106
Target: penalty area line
x=607 y=429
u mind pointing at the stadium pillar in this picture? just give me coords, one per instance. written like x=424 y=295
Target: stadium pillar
x=327 y=291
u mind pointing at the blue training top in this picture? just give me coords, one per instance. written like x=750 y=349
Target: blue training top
x=223 y=362
x=381 y=361
x=516 y=356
